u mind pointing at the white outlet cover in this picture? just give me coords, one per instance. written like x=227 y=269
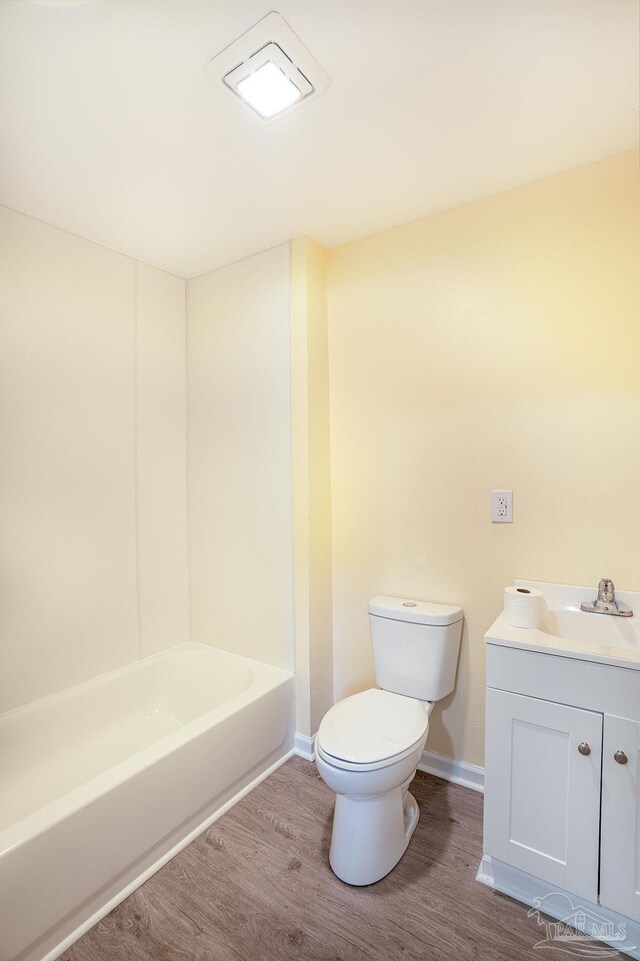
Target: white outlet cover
x=502 y=507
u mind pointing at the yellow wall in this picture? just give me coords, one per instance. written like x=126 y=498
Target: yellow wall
x=92 y=475
x=311 y=484
x=496 y=345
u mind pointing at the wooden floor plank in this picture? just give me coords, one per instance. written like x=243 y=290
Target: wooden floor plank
x=257 y=886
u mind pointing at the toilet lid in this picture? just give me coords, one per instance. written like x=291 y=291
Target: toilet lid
x=372 y=726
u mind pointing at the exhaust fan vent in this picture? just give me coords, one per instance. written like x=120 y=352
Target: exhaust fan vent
x=269 y=68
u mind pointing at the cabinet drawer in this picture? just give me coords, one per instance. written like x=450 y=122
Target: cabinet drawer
x=587 y=684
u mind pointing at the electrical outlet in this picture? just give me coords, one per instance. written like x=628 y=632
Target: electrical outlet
x=502 y=507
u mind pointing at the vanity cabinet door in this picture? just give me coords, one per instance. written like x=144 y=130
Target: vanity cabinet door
x=620 y=839
x=542 y=790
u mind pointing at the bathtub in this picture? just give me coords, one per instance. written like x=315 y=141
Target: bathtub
x=102 y=783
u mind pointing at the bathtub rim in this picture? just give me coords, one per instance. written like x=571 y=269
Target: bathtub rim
x=131 y=667
x=21 y=831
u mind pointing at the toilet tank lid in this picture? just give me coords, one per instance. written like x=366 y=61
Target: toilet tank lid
x=414 y=611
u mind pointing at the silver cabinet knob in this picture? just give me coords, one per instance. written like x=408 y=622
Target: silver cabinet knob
x=620 y=757
x=584 y=749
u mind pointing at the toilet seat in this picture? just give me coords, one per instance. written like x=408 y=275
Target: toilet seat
x=372 y=730
x=343 y=765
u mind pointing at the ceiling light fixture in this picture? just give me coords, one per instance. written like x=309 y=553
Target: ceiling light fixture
x=269 y=68
x=268 y=90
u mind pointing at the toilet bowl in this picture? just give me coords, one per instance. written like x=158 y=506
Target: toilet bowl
x=369 y=745
x=370 y=772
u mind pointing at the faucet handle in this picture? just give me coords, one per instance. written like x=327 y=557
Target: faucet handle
x=606 y=590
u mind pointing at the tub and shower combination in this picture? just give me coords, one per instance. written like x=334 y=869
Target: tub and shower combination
x=102 y=783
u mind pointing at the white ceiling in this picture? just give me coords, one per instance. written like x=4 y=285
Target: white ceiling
x=110 y=127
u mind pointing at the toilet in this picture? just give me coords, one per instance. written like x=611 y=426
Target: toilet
x=369 y=745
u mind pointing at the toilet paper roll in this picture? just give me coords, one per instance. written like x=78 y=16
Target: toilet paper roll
x=524 y=607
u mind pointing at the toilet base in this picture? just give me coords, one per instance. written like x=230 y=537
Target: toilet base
x=370 y=835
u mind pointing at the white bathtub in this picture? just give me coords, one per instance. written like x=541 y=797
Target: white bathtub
x=102 y=783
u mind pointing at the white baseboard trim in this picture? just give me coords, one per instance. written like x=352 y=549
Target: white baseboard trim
x=597 y=921
x=458 y=772
x=303 y=746
x=150 y=871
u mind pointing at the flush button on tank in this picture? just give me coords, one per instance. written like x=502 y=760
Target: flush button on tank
x=409 y=604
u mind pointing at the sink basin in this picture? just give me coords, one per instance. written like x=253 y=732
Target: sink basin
x=599 y=629
x=568 y=631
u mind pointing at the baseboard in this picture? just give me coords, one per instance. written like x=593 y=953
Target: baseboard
x=105 y=909
x=602 y=924
x=458 y=772
x=303 y=746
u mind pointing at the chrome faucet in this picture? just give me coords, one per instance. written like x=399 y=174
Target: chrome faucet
x=605 y=602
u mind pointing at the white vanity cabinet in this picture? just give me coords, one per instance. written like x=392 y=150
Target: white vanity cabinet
x=542 y=789
x=562 y=769
x=620 y=839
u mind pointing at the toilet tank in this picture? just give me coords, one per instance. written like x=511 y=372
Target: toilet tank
x=415 y=646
